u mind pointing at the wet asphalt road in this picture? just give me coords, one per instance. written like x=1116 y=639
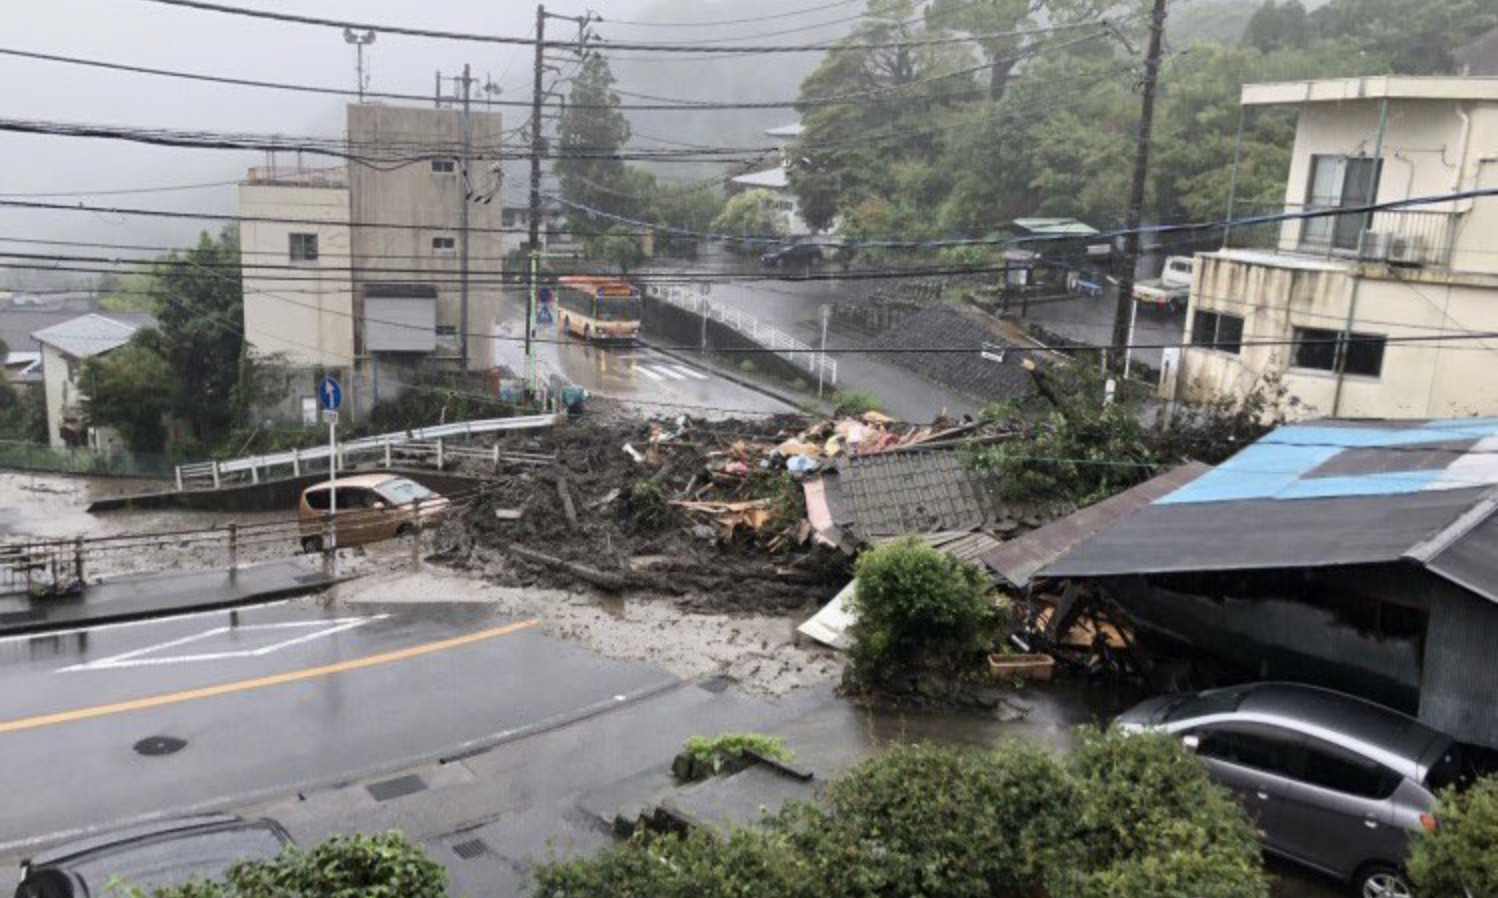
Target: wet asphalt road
x=264 y=701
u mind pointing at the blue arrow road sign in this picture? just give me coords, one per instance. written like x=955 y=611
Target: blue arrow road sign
x=329 y=393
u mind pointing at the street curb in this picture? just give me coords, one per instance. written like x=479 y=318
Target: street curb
x=257 y=598
x=302 y=790
x=734 y=378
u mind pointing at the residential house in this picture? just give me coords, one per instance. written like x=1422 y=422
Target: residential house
x=776 y=181
x=23 y=368
x=1361 y=314
x=1058 y=251
x=360 y=267
x=65 y=347
x=1358 y=555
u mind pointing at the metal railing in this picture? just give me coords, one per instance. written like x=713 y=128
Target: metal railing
x=1421 y=237
x=777 y=341
x=254 y=468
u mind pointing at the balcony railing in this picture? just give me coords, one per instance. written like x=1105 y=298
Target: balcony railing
x=1417 y=237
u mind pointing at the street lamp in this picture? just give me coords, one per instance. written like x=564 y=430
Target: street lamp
x=350 y=36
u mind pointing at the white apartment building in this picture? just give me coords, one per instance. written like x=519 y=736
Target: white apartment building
x=356 y=270
x=1362 y=314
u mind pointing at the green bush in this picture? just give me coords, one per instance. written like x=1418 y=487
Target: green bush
x=855 y=402
x=357 y=866
x=960 y=823
x=709 y=749
x=1462 y=852
x=916 y=608
x=1153 y=824
x=647 y=504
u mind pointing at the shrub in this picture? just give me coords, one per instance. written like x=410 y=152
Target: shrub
x=1462 y=852
x=916 y=608
x=855 y=402
x=744 y=864
x=1153 y=824
x=709 y=750
x=357 y=866
x=647 y=504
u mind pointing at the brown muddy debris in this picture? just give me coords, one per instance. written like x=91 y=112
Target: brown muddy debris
x=606 y=517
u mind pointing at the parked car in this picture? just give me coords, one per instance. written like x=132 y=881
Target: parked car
x=795 y=255
x=151 y=856
x=367 y=508
x=1331 y=781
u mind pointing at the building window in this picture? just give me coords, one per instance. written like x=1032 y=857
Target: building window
x=447 y=336
x=444 y=166
x=1215 y=330
x=1338 y=181
x=444 y=246
x=1322 y=350
x=304 y=247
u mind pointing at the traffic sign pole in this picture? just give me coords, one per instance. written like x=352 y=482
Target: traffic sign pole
x=330 y=395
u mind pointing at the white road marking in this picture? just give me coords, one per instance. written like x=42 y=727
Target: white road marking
x=135 y=658
x=666 y=370
x=648 y=373
x=99 y=628
x=689 y=372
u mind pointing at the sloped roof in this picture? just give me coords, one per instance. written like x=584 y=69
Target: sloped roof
x=93 y=334
x=1056 y=226
x=917 y=491
x=769 y=179
x=1322 y=494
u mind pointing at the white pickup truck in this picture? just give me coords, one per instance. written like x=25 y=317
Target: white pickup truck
x=1172 y=288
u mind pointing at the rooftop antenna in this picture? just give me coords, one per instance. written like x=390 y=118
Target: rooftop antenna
x=350 y=36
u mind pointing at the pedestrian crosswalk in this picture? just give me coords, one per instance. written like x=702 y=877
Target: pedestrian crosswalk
x=662 y=372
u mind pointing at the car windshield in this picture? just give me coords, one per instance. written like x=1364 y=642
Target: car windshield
x=1204 y=704
x=174 y=861
x=403 y=491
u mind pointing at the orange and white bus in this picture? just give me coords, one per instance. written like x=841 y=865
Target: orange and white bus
x=598 y=308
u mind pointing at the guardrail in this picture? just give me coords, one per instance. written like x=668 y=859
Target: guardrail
x=771 y=338
x=213 y=475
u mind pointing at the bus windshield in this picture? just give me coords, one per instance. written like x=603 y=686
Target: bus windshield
x=618 y=308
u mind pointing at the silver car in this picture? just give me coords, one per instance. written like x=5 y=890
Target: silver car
x=1331 y=781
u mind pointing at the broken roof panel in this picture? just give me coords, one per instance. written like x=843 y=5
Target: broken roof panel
x=917 y=491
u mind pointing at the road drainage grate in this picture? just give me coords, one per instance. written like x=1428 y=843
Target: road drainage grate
x=470 y=849
x=156 y=746
x=716 y=684
x=395 y=788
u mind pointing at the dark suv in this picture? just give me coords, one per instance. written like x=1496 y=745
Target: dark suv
x=796 y=255
x=1331 y=781
x=151 y=856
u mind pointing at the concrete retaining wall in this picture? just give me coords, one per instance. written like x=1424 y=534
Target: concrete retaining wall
x=675 y=326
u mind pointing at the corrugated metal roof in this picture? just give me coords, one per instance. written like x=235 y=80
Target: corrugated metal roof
x=1067 y=226
x=1321 y=494
x=1018 y=559
x=93 y=334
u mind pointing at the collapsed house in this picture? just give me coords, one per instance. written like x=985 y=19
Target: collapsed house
x=1358 y=555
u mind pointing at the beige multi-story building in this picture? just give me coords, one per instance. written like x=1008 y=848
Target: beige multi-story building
x=357 y=270
x=1370 y=313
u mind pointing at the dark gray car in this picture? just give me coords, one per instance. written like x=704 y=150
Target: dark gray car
x=1331 y=781
x=167 y=853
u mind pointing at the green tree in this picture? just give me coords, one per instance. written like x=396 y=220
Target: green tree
x=621 y=248
x=129 y=292
x=590 y=134
x=916 y=609
x=1277 y=26
x=201 y=320
x=749 y=215
x=130 y=390
x=1462 y=851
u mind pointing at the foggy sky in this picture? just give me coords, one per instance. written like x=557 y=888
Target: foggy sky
x=131 y=32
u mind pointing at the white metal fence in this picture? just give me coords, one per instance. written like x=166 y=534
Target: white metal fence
x=422 y=442
x=771 y=338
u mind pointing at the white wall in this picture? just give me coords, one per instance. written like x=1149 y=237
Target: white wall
x=305 y=315
x=58 y=389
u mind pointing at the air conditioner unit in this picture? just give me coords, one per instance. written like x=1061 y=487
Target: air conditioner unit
x=1373 y=246
x=1407 y=250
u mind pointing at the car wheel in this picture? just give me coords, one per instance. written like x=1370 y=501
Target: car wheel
x=311 y=544
x=567 y=325
x=1383 y=881
x=404 y=530
x=587 y=332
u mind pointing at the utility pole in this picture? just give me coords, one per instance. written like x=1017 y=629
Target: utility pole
x=463 y=190
x=1122 y=312
x=537 y=142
